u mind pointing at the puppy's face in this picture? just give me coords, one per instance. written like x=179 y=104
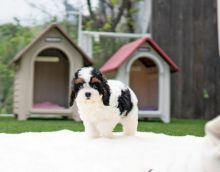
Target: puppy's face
x=89 y=86
x=88 y=91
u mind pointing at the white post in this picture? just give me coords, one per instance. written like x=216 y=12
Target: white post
x=165 y=94
x=79 y=27
x=86 y=44
x=79 y=14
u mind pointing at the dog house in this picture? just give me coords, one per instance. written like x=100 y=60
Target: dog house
x=44 y=70
x=146 y=68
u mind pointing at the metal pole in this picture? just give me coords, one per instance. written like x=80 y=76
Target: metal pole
x=79 y=27
x=79 y=14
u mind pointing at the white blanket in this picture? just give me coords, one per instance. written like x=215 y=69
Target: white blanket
x=67 y=151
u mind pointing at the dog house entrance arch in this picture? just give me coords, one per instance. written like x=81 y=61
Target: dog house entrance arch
x=144 y=80
x=51 y=79
x=146 y=76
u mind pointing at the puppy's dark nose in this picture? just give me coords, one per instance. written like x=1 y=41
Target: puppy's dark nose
x=88 y=94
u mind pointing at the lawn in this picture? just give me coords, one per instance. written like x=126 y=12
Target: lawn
x=177 y=127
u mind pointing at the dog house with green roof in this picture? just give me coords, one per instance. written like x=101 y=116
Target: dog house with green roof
x=44 y=70
x=146 y=68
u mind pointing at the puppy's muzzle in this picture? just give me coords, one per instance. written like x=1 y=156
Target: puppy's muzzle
x=88 y=95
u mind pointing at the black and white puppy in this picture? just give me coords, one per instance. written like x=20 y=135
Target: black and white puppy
x=102 y=104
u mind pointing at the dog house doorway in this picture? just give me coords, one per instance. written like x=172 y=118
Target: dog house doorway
x=51 y=80
x=144 y=80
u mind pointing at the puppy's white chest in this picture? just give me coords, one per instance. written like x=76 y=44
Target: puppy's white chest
x=97 y=112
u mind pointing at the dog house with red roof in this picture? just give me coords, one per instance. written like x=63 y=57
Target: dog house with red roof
x=146 y=68
x=44 y=70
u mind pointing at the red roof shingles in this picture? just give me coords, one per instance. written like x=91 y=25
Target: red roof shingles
x=128 y=49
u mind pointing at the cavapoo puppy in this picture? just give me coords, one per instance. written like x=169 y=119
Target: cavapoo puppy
x=102 y=104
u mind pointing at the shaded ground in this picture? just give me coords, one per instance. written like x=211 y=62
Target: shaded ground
x=177 y=127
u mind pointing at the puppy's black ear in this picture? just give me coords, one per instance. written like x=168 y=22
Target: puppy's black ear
x=72 y=97
x=106 y=95
x=73 y=92
x=105 y=90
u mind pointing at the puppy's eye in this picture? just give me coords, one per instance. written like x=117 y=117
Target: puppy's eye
x=79 y=86
x=94 y=86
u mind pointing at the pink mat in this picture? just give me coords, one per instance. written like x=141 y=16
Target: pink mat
x=47 y=105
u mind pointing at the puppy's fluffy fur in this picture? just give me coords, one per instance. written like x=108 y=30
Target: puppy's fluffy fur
x=102 y=104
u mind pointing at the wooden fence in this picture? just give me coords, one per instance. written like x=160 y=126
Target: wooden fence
x=187 y=31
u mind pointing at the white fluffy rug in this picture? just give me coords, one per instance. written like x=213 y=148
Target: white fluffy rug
x=67 y=151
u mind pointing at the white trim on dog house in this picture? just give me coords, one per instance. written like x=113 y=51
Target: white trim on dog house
x=44 y=70
x=146 y=68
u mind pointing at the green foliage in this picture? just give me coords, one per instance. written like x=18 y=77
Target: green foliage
x=133 y=10
x=70 y=29
x=115 y=2
x=88 y=25
x=205 y=94
x=12 y=39
x=106 y=27
x=104 y=49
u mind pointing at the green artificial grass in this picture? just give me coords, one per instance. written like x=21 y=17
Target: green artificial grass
x=177 y=127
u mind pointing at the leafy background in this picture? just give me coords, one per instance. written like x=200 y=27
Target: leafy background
x=110 y=15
